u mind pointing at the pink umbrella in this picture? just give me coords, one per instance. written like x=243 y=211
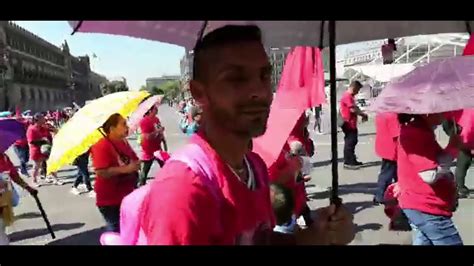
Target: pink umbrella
x=135 y=118
x=302 y=81
x=441 y=86
x=279 y=126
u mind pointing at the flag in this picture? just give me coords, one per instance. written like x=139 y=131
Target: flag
x=302 y=80
x=469 y=49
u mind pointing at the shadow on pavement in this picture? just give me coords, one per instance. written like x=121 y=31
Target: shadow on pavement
x=366 y=134
x=370 y=226
x=364 y=188
x=326 y=163
x=358 y=206
x=28 y=215
x=89 y=238
x=371 y=164
x=33 y=233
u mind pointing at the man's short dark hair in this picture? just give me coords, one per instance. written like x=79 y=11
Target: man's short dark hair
x=356 y=84
x=222 y=36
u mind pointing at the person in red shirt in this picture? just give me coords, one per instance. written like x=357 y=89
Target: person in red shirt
x=7 y=167
x=152 y=133
x=39 y=139
x=349 y=112
x=22 y=150
x=116 y=166
x=387 y=130
x=427 y=187
x=232 y=84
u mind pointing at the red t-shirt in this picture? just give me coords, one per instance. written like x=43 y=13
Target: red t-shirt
x=417 y=152
x=181 y=210
x=148 y=124
x=7 y=166
x=110 y=191
x=386 y=138
x=348 y=102
x=35 y=133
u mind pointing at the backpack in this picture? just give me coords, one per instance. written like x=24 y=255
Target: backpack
x=195 y=158
x=132 y=205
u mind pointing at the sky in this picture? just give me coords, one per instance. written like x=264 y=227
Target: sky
x=134 y=59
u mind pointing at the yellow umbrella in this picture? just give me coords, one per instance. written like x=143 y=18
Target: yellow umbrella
x=82 y=130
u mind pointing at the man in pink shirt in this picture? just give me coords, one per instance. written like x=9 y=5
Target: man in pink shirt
x=386 y=141
x=349 y=112
x=231 y=205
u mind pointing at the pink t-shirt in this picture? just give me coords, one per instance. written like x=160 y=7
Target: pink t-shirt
x=417 y=152
x=181 y=210
x=348 y=102
x=386 y=138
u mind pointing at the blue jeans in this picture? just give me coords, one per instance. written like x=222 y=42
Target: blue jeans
x=388 y=174
x=23 y=154
x=82 y=164
x=432 y=230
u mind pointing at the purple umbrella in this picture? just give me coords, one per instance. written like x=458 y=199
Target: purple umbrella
x=11 y=130
x=441 y=86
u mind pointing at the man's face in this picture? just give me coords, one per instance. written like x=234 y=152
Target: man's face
x=237 y=94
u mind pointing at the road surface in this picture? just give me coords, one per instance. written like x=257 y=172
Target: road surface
x=76 y=220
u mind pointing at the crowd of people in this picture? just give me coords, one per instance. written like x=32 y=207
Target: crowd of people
x=217 y=191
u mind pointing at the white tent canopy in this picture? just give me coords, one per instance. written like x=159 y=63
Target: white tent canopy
x=384 y=73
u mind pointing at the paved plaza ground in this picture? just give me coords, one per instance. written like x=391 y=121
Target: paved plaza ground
x=76 y=220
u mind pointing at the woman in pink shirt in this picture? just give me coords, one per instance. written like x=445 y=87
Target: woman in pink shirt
x=427 y=187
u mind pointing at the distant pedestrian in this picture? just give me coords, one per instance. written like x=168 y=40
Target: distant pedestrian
x=83 y=176
x=152 y=138
x=349 y=112
x=317 y=119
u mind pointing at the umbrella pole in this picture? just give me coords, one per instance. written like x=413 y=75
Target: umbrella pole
x=333 y=102
x=45 y=217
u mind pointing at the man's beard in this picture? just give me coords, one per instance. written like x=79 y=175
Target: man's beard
x=224 y=118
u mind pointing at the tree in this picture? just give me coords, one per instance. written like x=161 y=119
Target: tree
x=157 y=91
x=171 y=89
x=113 y=86
x=143 y=88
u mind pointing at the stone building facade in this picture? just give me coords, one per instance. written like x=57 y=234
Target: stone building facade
x=37 y=75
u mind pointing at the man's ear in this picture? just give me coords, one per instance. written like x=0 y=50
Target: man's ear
x=198 y=92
